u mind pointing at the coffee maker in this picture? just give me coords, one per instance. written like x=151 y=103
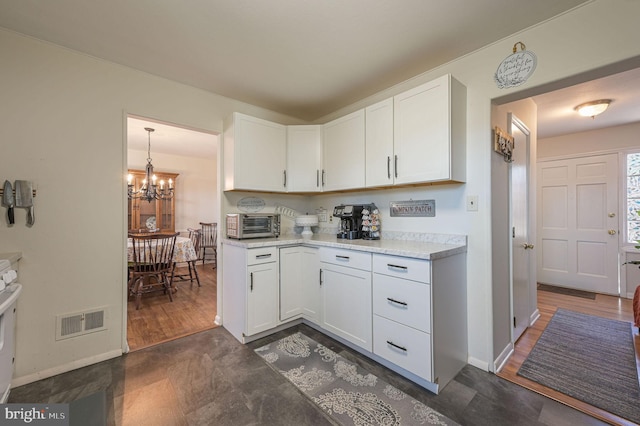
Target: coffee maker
x=350 y=221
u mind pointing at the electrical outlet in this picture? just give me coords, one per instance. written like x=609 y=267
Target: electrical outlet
x=472 y=203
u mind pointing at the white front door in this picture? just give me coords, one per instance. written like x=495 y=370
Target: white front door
x=578 y=223
x=519 y=221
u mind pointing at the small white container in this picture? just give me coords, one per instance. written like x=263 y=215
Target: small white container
x=307 y=221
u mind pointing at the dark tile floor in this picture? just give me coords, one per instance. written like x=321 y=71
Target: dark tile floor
x=211 y=379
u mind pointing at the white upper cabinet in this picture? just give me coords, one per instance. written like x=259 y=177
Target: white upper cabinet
x=304 y=158
x=430 y=133
x=344 y=152
x=255 y=154
x=416 y=137
x=379 y=144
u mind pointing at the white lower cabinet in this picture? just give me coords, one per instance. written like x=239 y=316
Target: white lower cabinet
x=403 y=301
x=346 y=295
x=402 y=345
x=262 y=298
x=407 y=313
x=402 y=313
x=419 y=315
x=249 y=290
x=300 y=290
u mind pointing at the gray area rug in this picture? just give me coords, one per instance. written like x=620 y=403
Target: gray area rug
x=589 y=358
x=349 y=394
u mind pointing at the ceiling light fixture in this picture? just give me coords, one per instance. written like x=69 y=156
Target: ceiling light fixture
x=593 y=108
x=149 y=190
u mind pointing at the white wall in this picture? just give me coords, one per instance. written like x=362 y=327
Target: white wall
x=565 y=46
x=197 y=197
x=617 y=138
x=64 y=129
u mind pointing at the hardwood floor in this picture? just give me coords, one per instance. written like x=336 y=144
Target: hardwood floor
x=158 y=320
x=548 y=302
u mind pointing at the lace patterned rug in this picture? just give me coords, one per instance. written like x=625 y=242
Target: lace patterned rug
x=349 y=394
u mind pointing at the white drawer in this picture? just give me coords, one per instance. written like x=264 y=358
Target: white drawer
x=406 y=302
x=404 y=346
x=257 y=256
x=342 y=257
x=402 y=267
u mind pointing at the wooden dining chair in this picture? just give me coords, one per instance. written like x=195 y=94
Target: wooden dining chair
x=195 y=235
x=209 y=241
x=151 y=264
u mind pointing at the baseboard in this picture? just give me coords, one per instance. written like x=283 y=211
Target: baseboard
x=534 y=317
x=482 y=365
x=74 y=365
x=247 y=339
x=503 y=358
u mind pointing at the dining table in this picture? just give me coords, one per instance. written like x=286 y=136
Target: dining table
x=183 y=251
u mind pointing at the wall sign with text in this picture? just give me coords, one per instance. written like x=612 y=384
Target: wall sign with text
x=516 y=68
x=412 y=208
x=250 y=204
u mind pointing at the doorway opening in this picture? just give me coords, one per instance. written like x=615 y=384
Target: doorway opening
x=593 y=141
x=189 y=157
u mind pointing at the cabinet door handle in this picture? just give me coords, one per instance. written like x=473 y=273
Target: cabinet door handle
x=397 y=346
x=251 y=280
x=284 y=172
x=395 y=165
x=397 y=302
x=320 y=277
x=342 y=257
x=317 y=178
x=263 y=256
x=388 y=167
x=392 y=266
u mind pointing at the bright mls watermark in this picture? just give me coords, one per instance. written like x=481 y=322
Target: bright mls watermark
x=34 y=414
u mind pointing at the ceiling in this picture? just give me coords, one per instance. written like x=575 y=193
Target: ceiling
x=556 y=109
x=302 y=58
x=170 y=139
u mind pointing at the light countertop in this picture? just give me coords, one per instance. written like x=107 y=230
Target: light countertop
x=408 y=248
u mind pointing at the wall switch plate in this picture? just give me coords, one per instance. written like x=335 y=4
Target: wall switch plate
x=472 y=203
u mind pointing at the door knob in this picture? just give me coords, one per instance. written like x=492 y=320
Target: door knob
x=612 y=215
x=527 y=246
x=612 y=232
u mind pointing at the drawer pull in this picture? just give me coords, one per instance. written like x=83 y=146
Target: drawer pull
x=263 y=256
x=397 y=346
x=397 y=301
x=392 y=266
x=342 y=257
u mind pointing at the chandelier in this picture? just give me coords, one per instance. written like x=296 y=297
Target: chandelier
x=150 y=190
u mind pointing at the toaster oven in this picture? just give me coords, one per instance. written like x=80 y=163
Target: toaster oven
x=252 y=225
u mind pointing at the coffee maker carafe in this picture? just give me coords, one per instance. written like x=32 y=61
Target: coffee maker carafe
x=350 y=221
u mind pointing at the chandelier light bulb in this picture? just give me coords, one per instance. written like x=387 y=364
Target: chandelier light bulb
x=149 y=190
